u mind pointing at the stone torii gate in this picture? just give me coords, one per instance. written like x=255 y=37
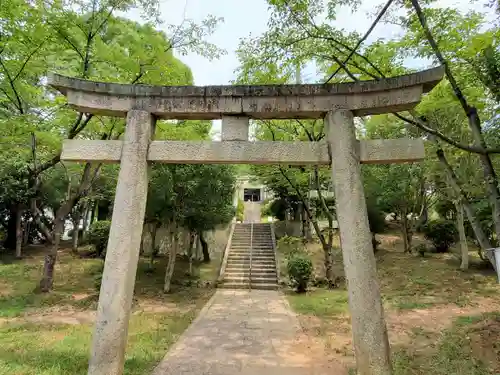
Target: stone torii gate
x=235 y=105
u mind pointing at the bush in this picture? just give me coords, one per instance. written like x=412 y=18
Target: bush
x=240 y=209
x=442 y=234
x=376 y=218
x=291 y=246
x=300 y=269
x=421 y=249
x=98 y=277
x=98 y=236
x=276 y=208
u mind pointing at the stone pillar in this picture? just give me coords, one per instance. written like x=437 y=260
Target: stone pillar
x=369 y=329
x=122 y=255
x=234 y=128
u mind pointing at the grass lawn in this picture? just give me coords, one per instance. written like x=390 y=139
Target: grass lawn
x=50 y=334
x=441 y=320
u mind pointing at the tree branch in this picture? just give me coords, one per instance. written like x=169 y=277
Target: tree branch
x=368 y=32
x=13 y=87
x=28 y=59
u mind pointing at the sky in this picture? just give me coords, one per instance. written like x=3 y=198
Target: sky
x=243 y=18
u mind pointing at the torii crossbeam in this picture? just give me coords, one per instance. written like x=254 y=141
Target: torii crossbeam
x=235 y=105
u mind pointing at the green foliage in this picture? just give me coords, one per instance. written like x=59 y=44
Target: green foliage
x=196 y=197
x=98 y=277
x=291 y=246
x=442 y=234
x=376 y=217
x=421 y=249
x=240 y=210
x=85 y=40
x=276 y=208
x=98 y=236
x=300 y=269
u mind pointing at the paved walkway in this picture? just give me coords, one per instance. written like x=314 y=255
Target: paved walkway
x=241 y=333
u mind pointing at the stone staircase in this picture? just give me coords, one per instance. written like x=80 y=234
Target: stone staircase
x=237 y=273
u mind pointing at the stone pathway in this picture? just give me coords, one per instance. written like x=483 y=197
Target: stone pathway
x=241 y=332
x=251 y=213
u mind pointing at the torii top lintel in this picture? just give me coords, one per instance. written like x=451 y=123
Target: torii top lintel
x=255 y=101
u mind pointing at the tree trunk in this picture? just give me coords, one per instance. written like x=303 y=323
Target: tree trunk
x=488 y=171
x=474 y=124
x=404 y=232
x=26 y=232
x=74 y=240
x=37 y=218
x=326 y=245
x=93 y=215
x=171 y=262
x=190 y=253
x=204 y=248
x=75 y=218
x=464 y=249
x=85 y=224
x=306 y=225
x=154 y=250
x=198 y=252
x=19 y=232
x=452 y=179
x=47 y=281
x=10 y=241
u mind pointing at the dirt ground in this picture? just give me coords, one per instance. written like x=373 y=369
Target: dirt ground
x=428 y=303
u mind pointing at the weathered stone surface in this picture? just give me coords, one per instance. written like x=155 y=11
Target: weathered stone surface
x=261 y=101
x=241 y=333
x=115 y=298
x=234 y=128
x=373 y=151
x=371 y=343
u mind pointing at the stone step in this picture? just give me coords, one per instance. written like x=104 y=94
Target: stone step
x=260 y=268
x=243 y=239
x=264 y=258
x=266 y=273
x=254 y=256
x=262 y=239
x=248 y=235
x=257 y=244
x=235 y=285
x=255 y=280
x=255 y=248
x=248 y=244
x=247 y=286
x=255 y=231
x=256 y=263
x=254 y=253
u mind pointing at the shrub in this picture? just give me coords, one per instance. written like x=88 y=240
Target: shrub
x=442 y=234
x=421 y=249
x=376 y=218
x=300 y=270
x=291 y=246
x=98 y=277
x=98 y=236
x=240 y=209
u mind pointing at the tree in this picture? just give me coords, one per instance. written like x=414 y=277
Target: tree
x=87 y=41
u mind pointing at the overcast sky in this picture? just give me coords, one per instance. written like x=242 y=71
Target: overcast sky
x=245 y=17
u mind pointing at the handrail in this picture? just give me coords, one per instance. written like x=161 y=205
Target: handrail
x=251 y=251
x=276 y=260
